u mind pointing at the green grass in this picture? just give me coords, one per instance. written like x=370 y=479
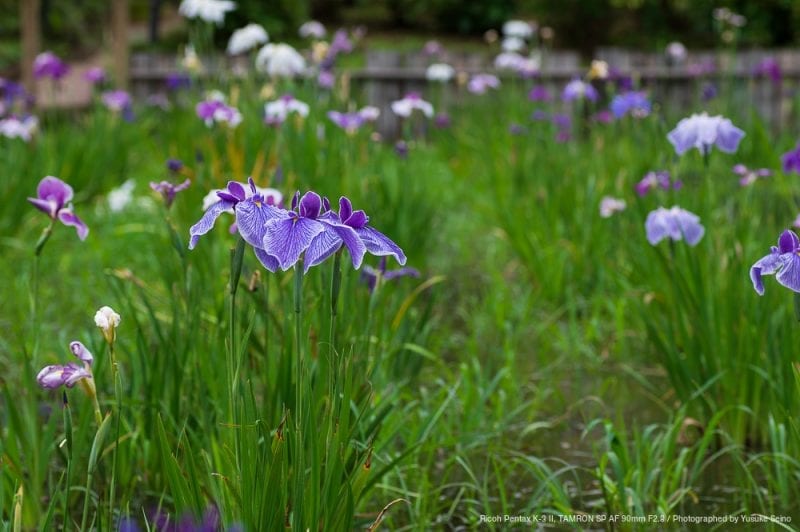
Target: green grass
x=547 y=362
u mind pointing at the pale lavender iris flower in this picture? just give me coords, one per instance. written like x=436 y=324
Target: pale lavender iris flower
x=655 y=180
x=53 y=197
x=749 y=176
x=68 y=375
x=633 y=103
x=481 y=83
x=169 y=190
x=675 y=224
x=783 y=261
x=702 y=131
x=579 y=90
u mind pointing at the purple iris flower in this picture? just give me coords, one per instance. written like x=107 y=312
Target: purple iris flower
x=674 y=223
x=783 y=260
x=480 y=83
x=214 y=110
x=634 y=103
x=174 y=165
x=539 y=93
x=771 y=68
x=175 y=81
x=95 y=75
x=169 y=190
x=373 y=241
x=790 y=161
x=341 y=43
x=326 y=79
x=702 y=132
x=748 y=176
x=53 y=197
x=603 y=117
x=577 y=90
x=708 y=92
x=252 y=212
x=116 y=101
x=372 y=276
x=401 y=149
x=49 y=65
x=653 y=180
x=441 y=121
x=350 y=122
x=310 y=228
x=67 y=374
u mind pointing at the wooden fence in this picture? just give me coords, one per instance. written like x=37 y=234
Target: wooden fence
x=389 y=75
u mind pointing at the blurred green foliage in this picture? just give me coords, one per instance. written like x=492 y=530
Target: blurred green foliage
x=584 y=24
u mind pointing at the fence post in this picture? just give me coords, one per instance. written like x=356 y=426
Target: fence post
x=119 y=30
x=31 y=36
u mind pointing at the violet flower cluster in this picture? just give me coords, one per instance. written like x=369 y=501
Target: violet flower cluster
x=310 y=230
x=169 y=190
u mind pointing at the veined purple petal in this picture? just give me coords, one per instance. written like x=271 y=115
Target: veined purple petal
x=355 y=246
x=323 y=246
x=206 y=223
x=765 y=266
x=69 y=218
x=286 y=239
x=379 y=244
x=789 y=276
x=268 y=261
x=80 y=351
x=252 y=216
x=357 y=219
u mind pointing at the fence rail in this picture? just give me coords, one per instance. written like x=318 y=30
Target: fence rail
x=388 y=75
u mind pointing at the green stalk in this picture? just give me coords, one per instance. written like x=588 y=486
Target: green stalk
x=68 y=436
x=298 y=466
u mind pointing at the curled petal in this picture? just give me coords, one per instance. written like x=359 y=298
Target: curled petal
x=268 y=261
x=206 y=223
x=80 y=351
x=310 y=205
x=69 y=218
x=323 y=246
